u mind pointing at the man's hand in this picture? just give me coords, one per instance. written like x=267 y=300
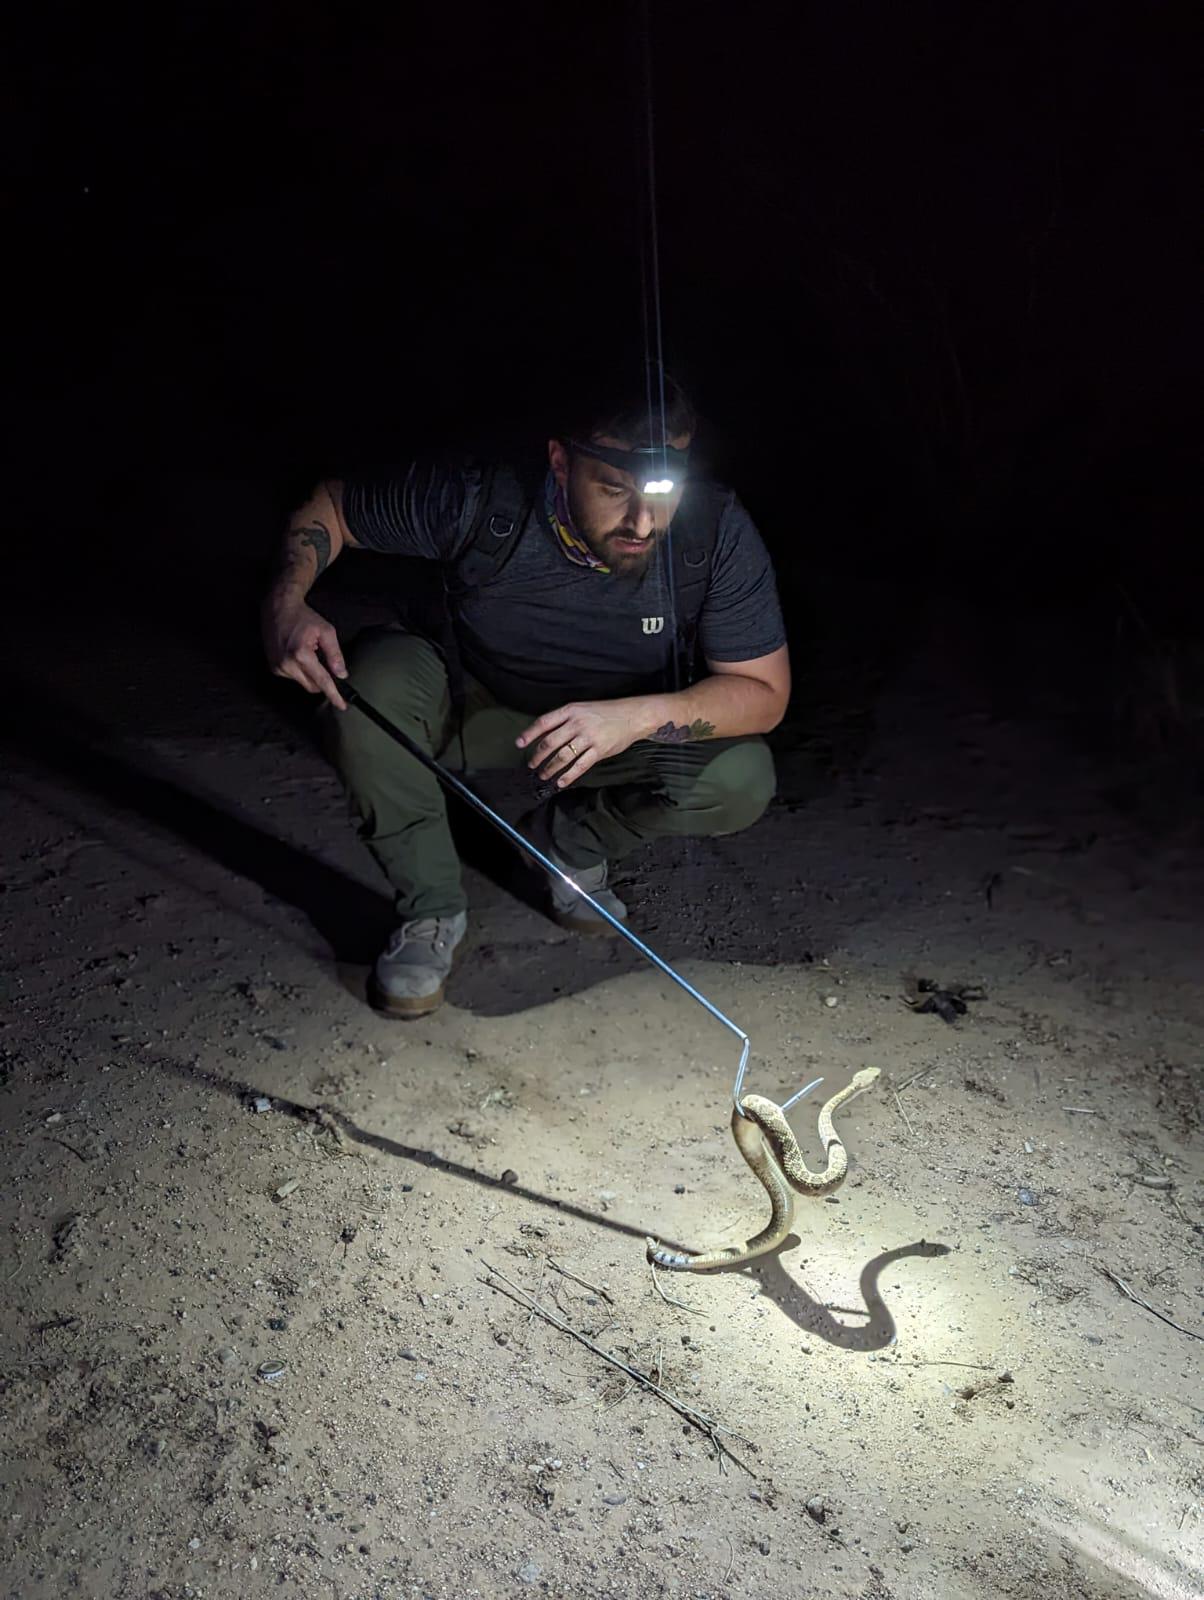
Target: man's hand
x=566 y=743
x=303 y=646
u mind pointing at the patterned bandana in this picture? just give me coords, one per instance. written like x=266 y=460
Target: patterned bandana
x=561 y=522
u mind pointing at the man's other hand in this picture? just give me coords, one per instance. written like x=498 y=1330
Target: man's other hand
x=564 y=744
x=303 y=646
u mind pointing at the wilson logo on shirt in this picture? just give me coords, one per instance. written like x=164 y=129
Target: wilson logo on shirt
x=653 y=624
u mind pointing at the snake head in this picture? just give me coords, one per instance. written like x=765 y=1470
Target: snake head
x=866 y=1076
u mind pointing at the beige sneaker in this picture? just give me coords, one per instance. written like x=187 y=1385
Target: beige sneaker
x=571 y=911
x=411 y=971
x=568 y=908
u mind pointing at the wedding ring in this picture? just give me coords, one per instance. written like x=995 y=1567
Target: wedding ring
x=571 y=748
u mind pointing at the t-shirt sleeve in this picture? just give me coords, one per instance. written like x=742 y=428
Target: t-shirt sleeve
x=741 y=615
x=426 y=509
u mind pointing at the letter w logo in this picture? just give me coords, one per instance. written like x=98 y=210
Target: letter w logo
x=653 y=624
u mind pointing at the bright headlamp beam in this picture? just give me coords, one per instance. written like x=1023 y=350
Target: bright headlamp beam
x=659 y=486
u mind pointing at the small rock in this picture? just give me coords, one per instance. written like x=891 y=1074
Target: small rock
x=530 y=1572
x=261 y=1103
x=614 y=1499
x=194 y=1543
x=1027 y=1197
x=278 y=1324
x=816 y=1509
x=679 y=1188
x=831 y=1000
x=228 y=1355
x=905 y=1545
x=510 y=1177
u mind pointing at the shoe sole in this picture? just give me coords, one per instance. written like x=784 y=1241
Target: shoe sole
x=411 y=1007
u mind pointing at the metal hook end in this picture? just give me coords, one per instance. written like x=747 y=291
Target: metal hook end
x=741 y=1074
x=805 y=1090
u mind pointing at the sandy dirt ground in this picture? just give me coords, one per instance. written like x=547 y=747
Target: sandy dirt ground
x=265 y=1253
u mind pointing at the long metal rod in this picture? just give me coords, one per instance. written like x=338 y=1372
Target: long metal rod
x=354 y=698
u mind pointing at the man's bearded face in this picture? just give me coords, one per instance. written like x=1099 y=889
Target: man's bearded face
x=620 y=525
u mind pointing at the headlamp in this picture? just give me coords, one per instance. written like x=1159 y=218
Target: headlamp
x=658 y=469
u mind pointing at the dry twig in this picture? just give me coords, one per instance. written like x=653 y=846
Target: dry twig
x=925 y=1072
x=979 y=1366
x=594 y=1288
x=903 y=1114
x=681 y=1305
x=698 y=1419
x=1145 y=1304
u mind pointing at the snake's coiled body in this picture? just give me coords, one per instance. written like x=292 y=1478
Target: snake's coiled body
x=765 y=1140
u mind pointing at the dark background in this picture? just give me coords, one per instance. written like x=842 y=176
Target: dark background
x=929 y=269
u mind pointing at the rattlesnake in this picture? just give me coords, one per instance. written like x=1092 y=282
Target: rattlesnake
x=765 y=1140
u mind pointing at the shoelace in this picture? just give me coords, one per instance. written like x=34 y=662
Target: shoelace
x=422 y=929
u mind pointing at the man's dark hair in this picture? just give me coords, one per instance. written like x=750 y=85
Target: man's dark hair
x=622 y=411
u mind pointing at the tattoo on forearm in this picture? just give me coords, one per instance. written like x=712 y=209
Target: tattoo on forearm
x=316 y=535
x=681 y=733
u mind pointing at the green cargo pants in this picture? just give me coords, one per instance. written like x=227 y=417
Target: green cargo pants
x=651 y=790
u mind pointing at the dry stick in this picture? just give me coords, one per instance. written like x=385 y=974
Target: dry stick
x=1138 y=1301
x=67 y=1146
x=594 y=1288
x=903 y=1114
x=697 y=1419
x=681 y=1305
x=925 y=1072
x=731 y=1551
x=1082 y=1111
x=978 y=1366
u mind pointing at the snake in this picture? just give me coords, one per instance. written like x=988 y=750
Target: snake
x=766 y=1141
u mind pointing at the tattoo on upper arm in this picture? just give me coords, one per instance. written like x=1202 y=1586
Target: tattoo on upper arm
x=680 y=733
x=317 y=536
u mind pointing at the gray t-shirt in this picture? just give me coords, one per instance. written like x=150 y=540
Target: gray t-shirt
x=542 y=630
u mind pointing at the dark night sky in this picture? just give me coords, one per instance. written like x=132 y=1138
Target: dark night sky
x=929 y=268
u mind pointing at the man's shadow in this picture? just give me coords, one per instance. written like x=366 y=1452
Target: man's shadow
x=538 y=963
x=353 y=919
